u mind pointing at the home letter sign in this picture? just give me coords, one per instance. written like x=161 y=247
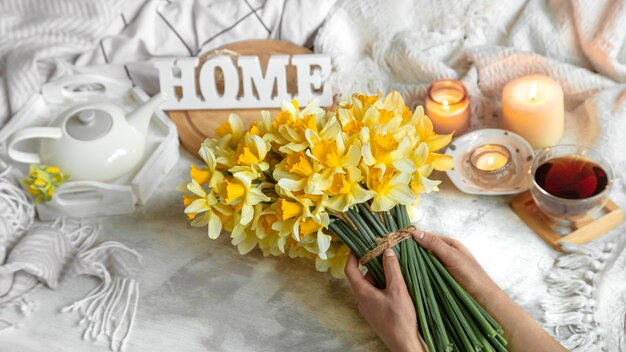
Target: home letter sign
x=253 y=89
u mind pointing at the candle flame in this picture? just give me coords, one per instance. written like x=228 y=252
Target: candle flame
x=445 y=104
x=490 y=160
x=532 y=93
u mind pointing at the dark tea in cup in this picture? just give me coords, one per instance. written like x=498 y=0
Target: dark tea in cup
x=570 y=182
x=571 y=177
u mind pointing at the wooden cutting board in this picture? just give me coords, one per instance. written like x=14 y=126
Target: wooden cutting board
x=194 y=126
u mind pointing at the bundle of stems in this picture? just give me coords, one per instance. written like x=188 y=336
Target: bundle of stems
x=449 y=319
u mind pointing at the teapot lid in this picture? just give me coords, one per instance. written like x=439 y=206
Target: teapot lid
x=89 y=124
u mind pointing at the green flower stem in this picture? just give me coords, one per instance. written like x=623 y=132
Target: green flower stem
x=465 y=297
x=454 y=327
x=501 y=339
x=418 y=291
x=456 y=311
x=431 y=299
x=453 y=315
x=354 y=237
x=449 y=318
x=362 y=227
x=497 y=344
x=370 y=218
x=356 y=244
x=388 y=221
x=414 y=290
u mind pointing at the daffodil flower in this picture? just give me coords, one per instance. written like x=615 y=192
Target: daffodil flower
x=390 y=188
x=346 y=190
x=238 y=191
x=299 y=172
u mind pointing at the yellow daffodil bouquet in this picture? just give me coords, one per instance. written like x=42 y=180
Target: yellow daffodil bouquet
x=316 y=184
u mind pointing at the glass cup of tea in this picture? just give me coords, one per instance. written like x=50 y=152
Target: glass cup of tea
x=571 y=182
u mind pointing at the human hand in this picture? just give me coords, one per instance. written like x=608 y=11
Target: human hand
x=521 y=331
x=461 y=264
x=390 y=312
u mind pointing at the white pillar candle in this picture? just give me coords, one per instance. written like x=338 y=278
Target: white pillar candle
x=448 y=106
x=532 y=106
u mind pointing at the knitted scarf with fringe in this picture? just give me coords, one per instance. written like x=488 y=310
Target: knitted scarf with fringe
x=54 y=253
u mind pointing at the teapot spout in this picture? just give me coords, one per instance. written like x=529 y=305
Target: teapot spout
x=140 y=118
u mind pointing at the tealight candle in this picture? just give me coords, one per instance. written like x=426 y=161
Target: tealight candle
x=448 y=106
x=532 y=106
x=491 y=163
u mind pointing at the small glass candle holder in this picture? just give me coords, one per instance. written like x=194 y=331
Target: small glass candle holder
x=491 y=164
x=448 y=106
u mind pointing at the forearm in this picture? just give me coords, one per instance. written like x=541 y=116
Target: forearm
x=522 y=332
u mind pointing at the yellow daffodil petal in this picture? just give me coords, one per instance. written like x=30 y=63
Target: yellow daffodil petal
x=438 y=141
x=423 y=125
x=308 y=226
x=232 y=191
x=442 y=162
x=287 y=210
x=201 y=176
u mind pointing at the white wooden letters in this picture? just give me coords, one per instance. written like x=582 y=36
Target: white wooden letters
x=259 y=89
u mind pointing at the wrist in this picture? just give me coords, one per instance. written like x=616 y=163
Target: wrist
x=408 y=342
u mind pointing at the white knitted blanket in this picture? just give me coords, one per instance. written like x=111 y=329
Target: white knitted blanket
x=406 y=44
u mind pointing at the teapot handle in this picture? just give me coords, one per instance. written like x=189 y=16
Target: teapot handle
x=31 y=133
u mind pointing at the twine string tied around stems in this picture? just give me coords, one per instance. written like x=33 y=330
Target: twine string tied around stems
x=389 y=241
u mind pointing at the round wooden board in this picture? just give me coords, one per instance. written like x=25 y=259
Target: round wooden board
x=194 y=126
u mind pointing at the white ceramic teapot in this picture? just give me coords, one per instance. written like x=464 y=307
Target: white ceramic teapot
x=90 y=141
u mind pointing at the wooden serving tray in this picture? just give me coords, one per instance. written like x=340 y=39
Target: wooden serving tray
x=194 y=126
x=583 y=231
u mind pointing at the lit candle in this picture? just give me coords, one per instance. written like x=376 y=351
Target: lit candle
x=448 y=107
x=490 y=163
x=532 y=106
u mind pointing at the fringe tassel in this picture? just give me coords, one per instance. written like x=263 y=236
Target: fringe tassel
x=570 y=312
x=109 y=310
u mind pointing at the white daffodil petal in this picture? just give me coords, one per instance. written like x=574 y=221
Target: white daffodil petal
x=256 y=196
x=402 y=194
x=214 y=225
x=195 y=188
x=352 y=158
x=260 y=146
x=323 y=243
x=381 y=202
x=247 y=213
x=197 y=206
x=429 y=185
x=404 y=165
x=291 y=185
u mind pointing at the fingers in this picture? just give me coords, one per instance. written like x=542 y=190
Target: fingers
x=354 y=275
x=370 y=278
x=444 y=250
x=393 y=274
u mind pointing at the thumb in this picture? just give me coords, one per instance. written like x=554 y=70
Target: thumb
x=393 y=274
x=442 y=250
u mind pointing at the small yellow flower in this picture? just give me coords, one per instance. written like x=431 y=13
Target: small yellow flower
x=43 y=180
